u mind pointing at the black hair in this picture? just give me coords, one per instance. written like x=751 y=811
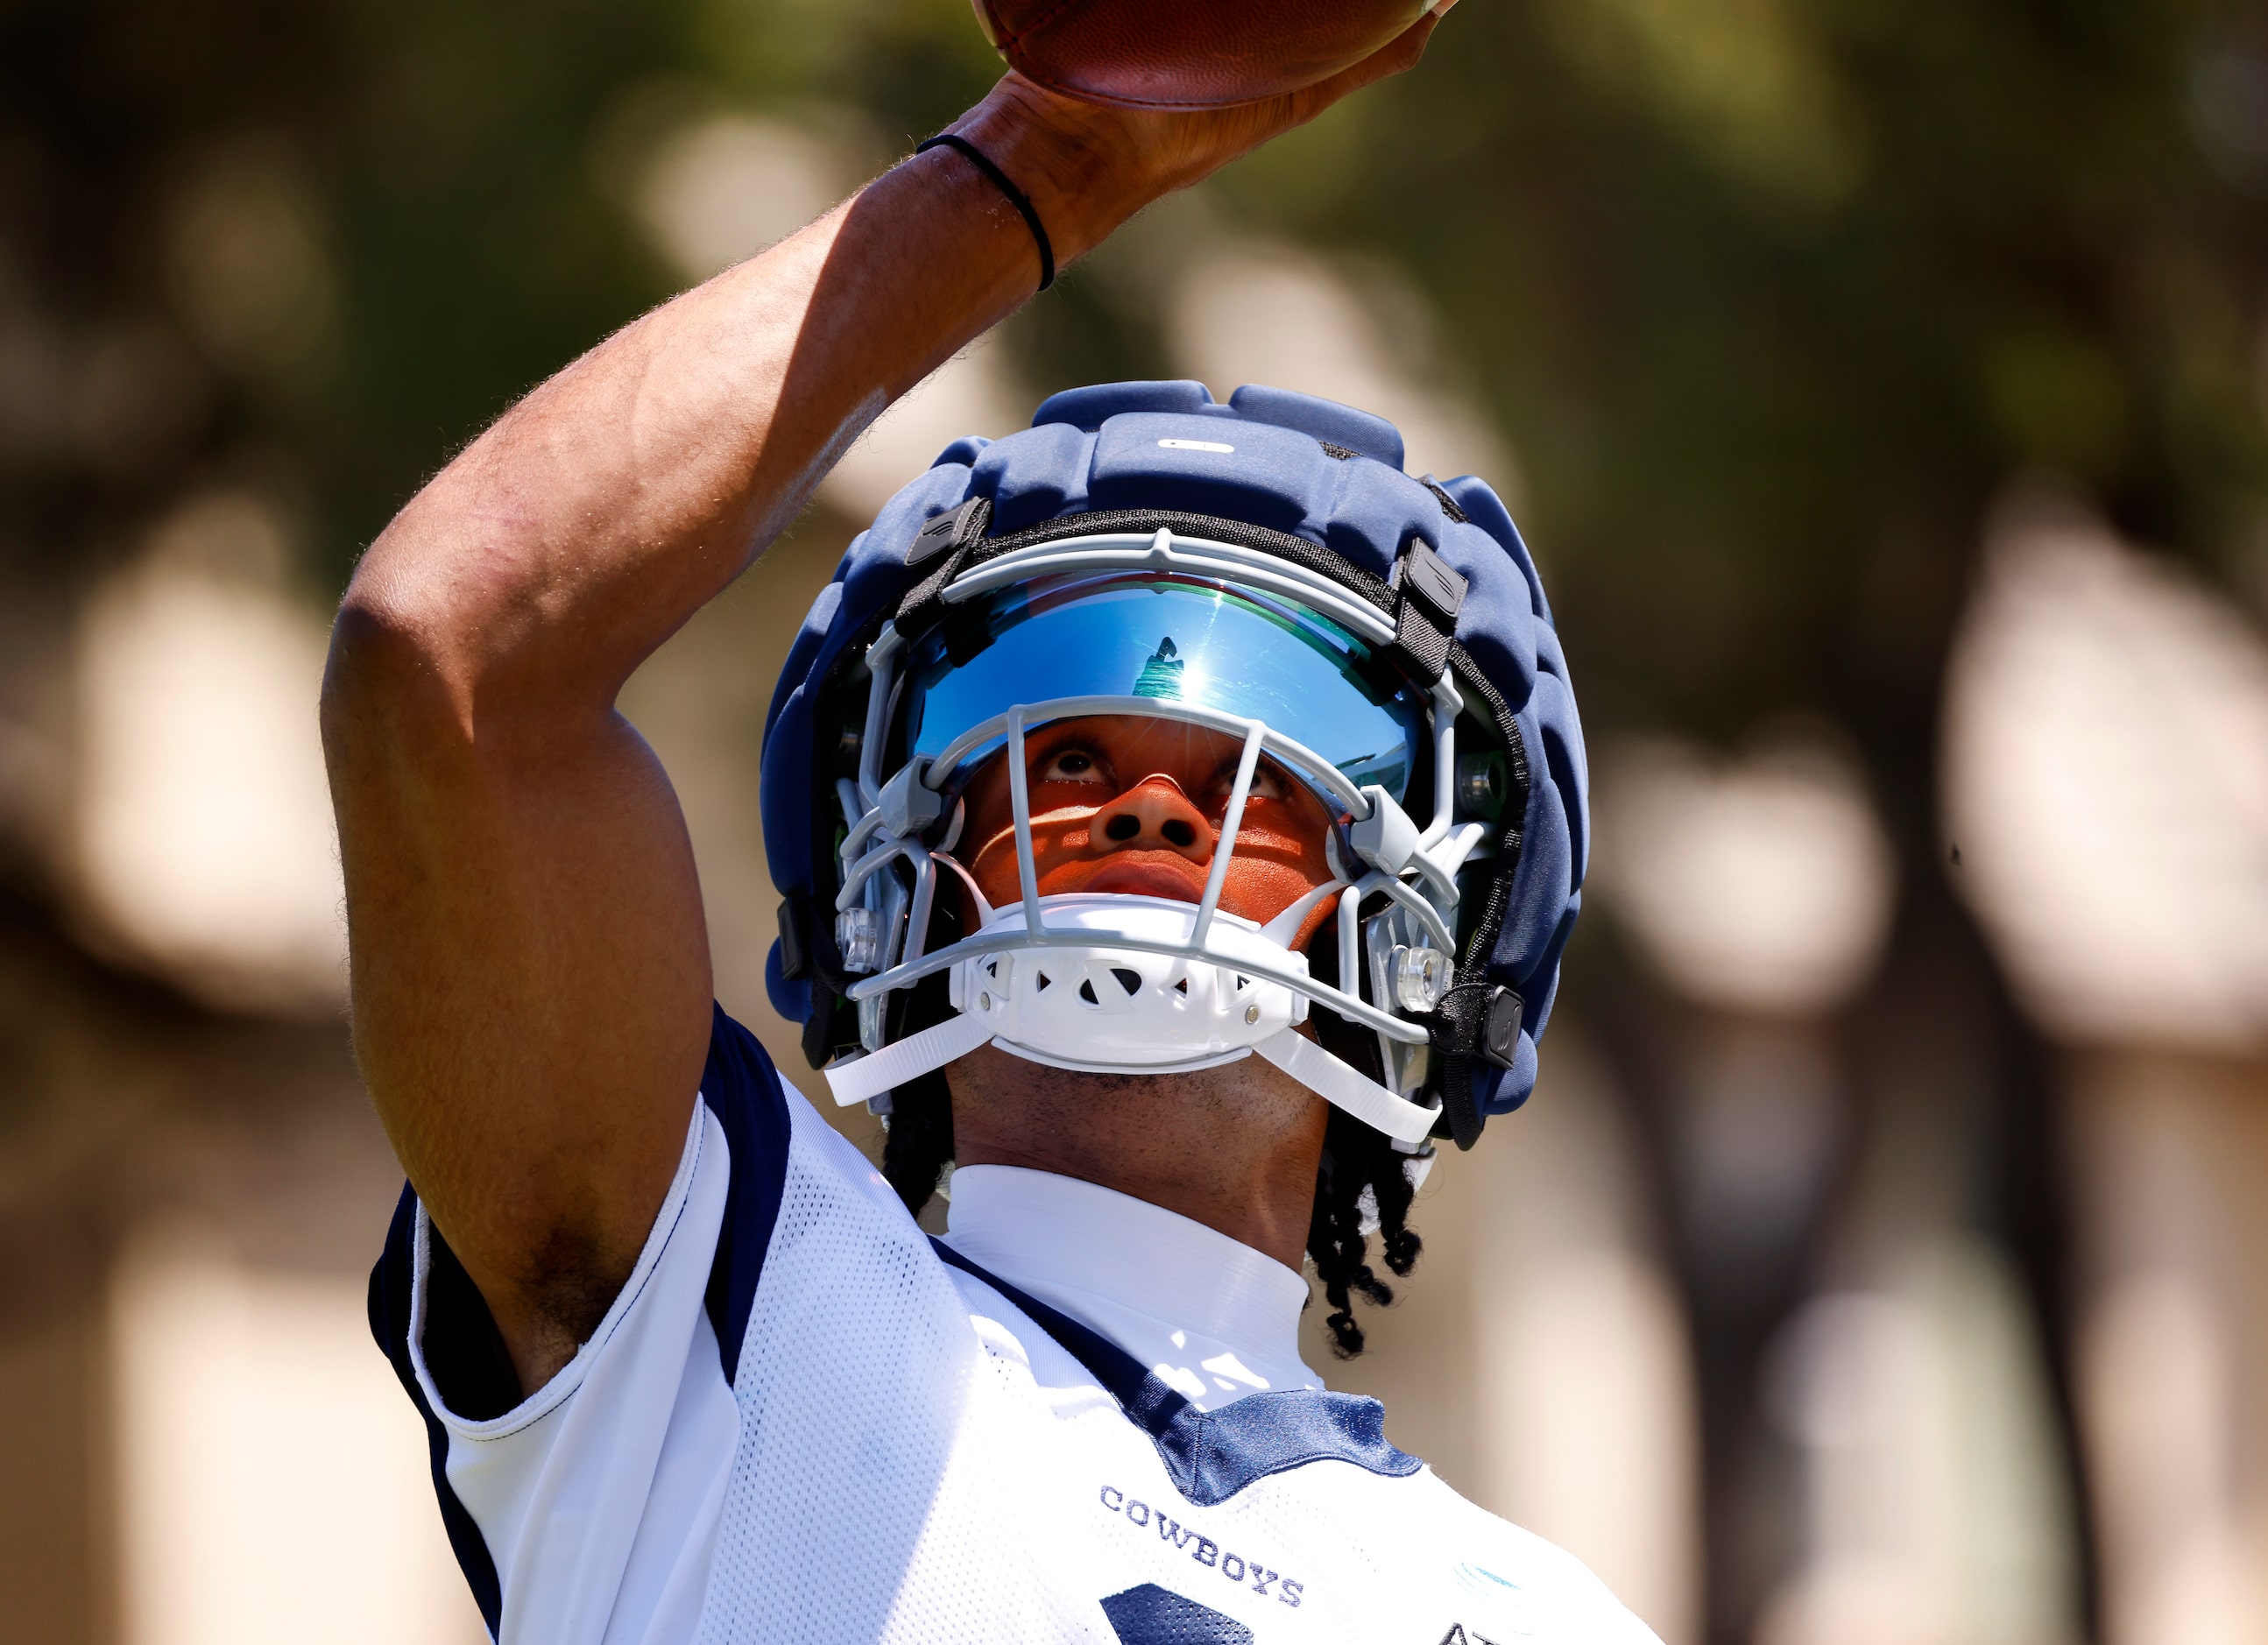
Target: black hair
x=918 y=1144
x=1358 y=1163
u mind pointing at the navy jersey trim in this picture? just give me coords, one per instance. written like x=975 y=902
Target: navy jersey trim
x=466 y=1356
x=389 y=1322
x=1152 y=1615
x=742 y=1089
x=1212 y=1455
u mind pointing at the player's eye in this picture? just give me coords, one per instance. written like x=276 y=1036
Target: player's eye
x=1268 y=783
x=1069 y=765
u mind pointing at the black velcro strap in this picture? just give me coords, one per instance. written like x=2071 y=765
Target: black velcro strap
x=818 y=1027
x=795 y=938
x=1420 y=645
x=953 y=529
x=1428 y=596
x=1474 y=1020
x=944 y=543
x=808 y=952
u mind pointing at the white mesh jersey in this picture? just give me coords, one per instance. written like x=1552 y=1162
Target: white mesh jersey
x=804 y=1421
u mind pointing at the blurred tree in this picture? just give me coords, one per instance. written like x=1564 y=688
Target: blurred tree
x=1771 y=298
x=1771 y=295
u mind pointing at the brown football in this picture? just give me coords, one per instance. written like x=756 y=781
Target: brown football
x=1189 y=54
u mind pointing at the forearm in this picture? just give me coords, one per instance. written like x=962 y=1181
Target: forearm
x=594 y=518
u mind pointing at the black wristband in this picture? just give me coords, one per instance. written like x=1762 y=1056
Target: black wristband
x=1016 y=196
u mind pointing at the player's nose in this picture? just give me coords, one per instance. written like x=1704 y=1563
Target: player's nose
x=1153 y=815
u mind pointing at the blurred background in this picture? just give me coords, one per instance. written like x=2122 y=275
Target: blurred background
x=1883 y=388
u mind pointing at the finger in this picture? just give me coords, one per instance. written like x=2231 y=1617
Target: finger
x=1398 y=56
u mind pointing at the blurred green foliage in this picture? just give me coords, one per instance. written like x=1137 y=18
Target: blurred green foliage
x=1768 y=295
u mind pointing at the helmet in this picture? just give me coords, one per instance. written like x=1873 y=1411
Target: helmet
x=1264 y=573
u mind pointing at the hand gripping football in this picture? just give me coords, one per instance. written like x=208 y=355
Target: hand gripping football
x=1189 y=54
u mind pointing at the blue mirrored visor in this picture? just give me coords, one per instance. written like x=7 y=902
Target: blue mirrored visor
x=1177 y=639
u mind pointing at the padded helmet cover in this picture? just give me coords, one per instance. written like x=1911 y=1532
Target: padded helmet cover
x=1315 y=469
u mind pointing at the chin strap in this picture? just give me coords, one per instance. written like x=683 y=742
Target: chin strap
x=1342 y=1087
x=863 y=1078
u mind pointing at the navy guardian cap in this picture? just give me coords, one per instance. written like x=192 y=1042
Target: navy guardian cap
x=1262 y=568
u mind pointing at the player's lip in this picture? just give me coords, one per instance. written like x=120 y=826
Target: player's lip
x=1184 y=883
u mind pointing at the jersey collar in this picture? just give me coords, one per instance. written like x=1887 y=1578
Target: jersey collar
x=1210 y=1315
x=1212 y=1455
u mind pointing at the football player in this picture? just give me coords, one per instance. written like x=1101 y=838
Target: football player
x=1180 y=814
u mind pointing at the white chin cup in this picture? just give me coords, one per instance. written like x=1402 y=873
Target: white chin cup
x=1095 y=1005
x=1099 y=1007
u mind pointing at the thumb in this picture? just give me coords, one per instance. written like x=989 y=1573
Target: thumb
x=1398 y=56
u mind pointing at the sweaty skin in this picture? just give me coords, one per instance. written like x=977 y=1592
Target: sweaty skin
x=531 y=972
x=1135 y=806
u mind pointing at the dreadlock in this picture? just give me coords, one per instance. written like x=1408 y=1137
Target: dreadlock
x=1358 y=1164
x=1362 y=1176
x=919 y=1143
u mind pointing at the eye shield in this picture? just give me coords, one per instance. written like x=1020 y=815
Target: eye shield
x=1234 y=638
x=1173 y=639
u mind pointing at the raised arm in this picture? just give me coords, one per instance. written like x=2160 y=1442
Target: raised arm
x=530 y=975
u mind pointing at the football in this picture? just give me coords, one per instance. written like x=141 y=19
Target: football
x=1189 y=54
